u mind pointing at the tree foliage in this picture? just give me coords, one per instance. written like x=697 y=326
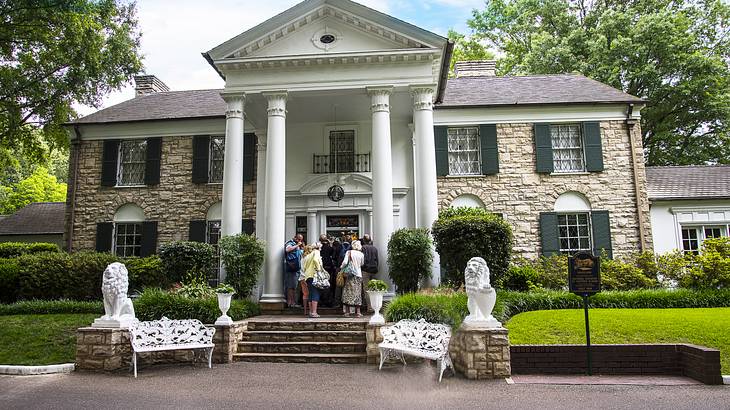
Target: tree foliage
x=409 y=258
x=467 y=49
x=55 y=53
x=41 y=186
x=673 y=53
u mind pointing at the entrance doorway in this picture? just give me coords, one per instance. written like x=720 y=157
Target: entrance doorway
x=339 y=225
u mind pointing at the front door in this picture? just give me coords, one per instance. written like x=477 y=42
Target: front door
x=340 y=225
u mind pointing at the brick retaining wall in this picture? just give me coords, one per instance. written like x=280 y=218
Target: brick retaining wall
x=698 y=362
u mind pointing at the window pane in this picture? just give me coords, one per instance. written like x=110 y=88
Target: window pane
x=464 y=152
x=128 y=239
x=574 y=232
x=567 y=143
x=132 y=160
x=217 y=153
x=342 y=151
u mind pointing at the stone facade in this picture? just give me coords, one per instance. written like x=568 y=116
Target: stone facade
x=519 y=193
x=481 y=353
x=173 y=203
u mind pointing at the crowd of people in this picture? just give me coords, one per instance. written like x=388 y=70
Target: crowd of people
x=302 y=262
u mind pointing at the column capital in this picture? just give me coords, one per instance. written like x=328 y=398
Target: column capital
x=235 y=102
x=277 y=103
x=261 y=141
x=379 y=98
x=423 y=96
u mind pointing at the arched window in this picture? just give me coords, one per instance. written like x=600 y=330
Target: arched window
x=128 y=230
x=467 y=200
x=213 y=224
x=574 y=222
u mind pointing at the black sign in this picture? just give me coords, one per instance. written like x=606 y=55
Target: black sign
x=335 y=193
x=584 y=273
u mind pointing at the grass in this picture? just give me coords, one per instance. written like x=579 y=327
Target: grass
x=708 y=327
x=40 y=339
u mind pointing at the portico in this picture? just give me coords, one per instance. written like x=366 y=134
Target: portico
x=335 y=94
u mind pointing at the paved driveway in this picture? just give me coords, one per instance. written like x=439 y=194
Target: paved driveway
x=324 y=386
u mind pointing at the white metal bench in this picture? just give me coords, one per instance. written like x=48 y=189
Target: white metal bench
x=166 y=334
x=416 y=338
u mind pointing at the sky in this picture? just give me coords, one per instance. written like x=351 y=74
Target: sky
x=175 y=33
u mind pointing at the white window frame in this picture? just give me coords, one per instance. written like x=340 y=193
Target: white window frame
x=120 y=164
x=701 y=234
x=210 y=158
x=582 y=149
x=588 y=226
x=478 y=150
x=137 y=233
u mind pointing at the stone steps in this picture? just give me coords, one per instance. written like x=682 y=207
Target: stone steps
x=318 y=324
x=301 y=357
x=304 y=336
x=302 y=347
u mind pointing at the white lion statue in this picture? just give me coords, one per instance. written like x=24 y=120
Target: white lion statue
x=118 y=308
x=482 y=295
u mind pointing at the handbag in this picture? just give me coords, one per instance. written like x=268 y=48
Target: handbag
x=349 y=269
x=321 y=280
x=340 y=279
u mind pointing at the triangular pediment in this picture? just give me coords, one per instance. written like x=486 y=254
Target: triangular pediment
x=308 y=27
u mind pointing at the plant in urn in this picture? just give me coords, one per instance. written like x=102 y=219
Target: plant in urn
x=224 y=292
x=376 y=290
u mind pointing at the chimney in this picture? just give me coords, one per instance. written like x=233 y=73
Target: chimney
x=476 y=68
x=148 y=84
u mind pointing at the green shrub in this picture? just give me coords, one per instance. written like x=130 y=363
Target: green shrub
x=619 y=275
x=155 y=303
x=711 y=268
x=146 y=273
x=41 y=307
x=242 y=256
x=376 y=285
x=196 y=290
x=9 y=271
x=463 y=233
x=520 y=278
x=552 y=272
x=447 y=309
x=184 y=261
x=410 y=258
x=14 y=249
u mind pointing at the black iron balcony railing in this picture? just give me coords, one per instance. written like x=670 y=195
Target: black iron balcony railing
x=330 y=164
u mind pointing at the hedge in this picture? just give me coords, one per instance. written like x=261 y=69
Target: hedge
x=153 y=304
x=409 y=258
x=42 y=307
x=184 y=261
x=451 y=309
x=242 y=256
x=14 y=249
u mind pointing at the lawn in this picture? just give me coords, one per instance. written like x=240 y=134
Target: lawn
x=40 y=339
x=701 y=326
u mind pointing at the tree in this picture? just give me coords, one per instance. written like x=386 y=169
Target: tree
x=467 y=49
x=675 y=54
x=55 y=53
x=41 y=186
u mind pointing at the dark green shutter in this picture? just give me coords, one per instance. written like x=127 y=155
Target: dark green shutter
x=149 y=238
x=592 y=146
x=249 y=157
x=104 y=233
x=601 y=224
x=152 y=166
x=549 y=238
x=196 y=231
x=248 y=226
x=441 y=141
x=490 y=152
x=543 y=149
x=109 y=158
x=201 y=147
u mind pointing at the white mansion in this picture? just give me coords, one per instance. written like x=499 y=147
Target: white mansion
x=338 y=118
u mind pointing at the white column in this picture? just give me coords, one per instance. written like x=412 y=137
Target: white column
x=260 y=201
x=312 y=228
x=425 y=163
x=382 y=167
x=275 y=191
x=233 y=166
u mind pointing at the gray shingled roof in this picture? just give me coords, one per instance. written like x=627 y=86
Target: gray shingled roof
x=35 y=218
x=162 y=106
x=688 y=182
x=524 y=90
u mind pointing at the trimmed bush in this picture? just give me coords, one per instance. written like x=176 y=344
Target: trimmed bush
x=711 y=268
x=552 y=272
x=185 y=261
x=42 y=307
x=242 y=256
x=145 y=273
x=462 y=233
x=409 y=258
x=9 y=271
x=155 y=303
x=618 y=275
x=520 y=278
x=14 y=249
x=435 y=308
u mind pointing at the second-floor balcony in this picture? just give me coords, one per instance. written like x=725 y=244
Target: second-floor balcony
x=331 y=164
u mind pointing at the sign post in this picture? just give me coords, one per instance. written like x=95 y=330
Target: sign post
x=584 y=279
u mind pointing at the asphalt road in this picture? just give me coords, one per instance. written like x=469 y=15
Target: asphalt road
x=323 y=386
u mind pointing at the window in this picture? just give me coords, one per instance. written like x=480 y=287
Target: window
x=342 y=151
x=690 y=241
x=567 y=144
x=574 y=232
x=132 y=161
x=212 y=236
x=128 y=239
x=464 y=151
x=693 y=236
x=217 y=153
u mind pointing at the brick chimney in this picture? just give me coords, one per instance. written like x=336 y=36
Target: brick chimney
x=476 y=68
x=148 y=84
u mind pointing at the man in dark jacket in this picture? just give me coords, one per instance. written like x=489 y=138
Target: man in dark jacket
x=327 y=252
x=370 y=266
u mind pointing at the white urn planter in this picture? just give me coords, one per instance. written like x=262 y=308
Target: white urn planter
x=224 y=303
x=376 y=302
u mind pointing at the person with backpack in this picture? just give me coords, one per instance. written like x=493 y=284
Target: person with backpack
x=293 y=250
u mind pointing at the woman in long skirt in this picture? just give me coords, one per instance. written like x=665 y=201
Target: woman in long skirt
x=352 y=292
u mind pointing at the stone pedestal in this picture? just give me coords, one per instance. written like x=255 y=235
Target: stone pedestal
x=481 y=353
x=374 y=337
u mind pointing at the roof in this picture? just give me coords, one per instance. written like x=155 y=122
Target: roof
x=35 y=218
x=688 y=182
x=167 y=105
x=524 y=90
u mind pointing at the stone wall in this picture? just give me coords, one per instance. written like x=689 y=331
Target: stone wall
x=173 y=203
x=481 y=353
x=519 y=193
